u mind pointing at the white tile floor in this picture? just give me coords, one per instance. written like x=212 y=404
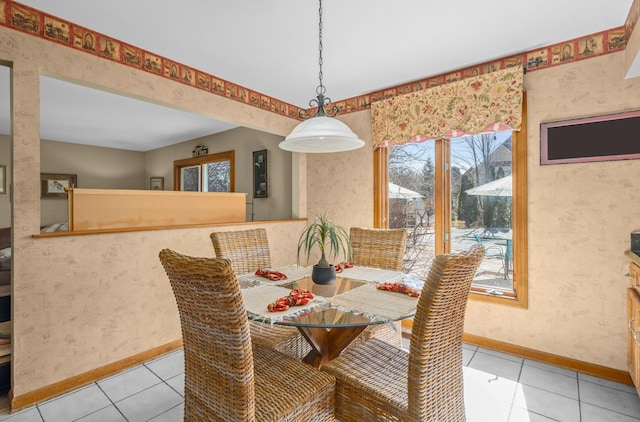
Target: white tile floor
x=498 y=388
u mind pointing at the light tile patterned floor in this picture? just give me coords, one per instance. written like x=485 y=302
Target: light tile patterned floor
x=498 y=388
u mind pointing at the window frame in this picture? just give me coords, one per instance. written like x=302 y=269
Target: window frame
x=178 y=165
x=519 y=296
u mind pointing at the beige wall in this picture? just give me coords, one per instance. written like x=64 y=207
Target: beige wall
x=580 y=219
x=632 y=49
x=95 y=167
x=5 y=160
x=82 y=302
x=91 y=300
x=109 y=168
x=243 y=141
x=342 y=183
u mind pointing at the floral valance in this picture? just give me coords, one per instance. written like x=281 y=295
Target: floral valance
x=485 y=103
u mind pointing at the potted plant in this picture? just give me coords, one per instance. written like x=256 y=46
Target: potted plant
x=330 y=239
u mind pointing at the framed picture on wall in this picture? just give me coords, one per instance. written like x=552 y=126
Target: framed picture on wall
x=3 y=179
x=156 y=183
x=54 y=185
x=260 y=175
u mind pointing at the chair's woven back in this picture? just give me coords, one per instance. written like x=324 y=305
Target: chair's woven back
x=378 y=248
x=219 y=382
x=435 y=353
x=248 y=250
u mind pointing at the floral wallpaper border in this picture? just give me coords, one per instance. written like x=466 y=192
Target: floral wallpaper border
x=23 y=18
x=484 y=103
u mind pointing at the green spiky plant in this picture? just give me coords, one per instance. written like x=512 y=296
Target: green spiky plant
x=328 y=236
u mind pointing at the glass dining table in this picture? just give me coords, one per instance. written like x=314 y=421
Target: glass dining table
x=338 y=312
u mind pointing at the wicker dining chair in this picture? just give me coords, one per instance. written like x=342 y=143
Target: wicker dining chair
x=384 y=249
x=249 y=250
x=376 y=381
x=378 y=248
x=227 y=376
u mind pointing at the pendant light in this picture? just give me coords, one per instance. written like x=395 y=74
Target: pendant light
x=321 y=132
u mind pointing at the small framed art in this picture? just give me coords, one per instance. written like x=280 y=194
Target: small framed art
x=54 y=185
x=3 y=179
x=260 y=175
x=156 y=183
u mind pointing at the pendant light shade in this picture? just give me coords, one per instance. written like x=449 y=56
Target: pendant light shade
x=321 y=133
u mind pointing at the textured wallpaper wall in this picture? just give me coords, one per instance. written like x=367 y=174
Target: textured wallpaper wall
x=580 y=218
x=5 y=160
x=85 y=301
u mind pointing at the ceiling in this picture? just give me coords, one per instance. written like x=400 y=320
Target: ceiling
x=272 y=47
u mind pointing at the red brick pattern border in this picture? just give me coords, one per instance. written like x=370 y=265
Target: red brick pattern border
x=22 y=18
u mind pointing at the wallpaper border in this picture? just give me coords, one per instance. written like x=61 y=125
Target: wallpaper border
x=25 y=19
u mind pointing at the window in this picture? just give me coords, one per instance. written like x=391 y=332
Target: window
x=453 y=194
x=207 y=173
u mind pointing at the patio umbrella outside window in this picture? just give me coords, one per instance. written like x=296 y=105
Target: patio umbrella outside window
x=500 y=187
x=399 y=192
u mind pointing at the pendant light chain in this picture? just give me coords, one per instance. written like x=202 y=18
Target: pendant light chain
x=320 y=101
x=321 y=89
x=321 y=133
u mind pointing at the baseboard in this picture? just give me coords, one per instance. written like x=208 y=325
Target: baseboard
x=70 y=384
x=544 y=357
x=556 y=360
